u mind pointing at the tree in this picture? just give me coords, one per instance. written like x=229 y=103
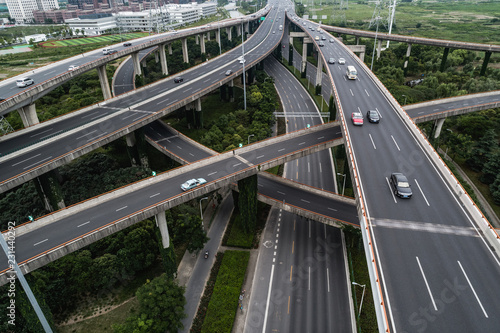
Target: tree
x=161 y=308
x=495 y=190
x=490 y=169
x=481 y=150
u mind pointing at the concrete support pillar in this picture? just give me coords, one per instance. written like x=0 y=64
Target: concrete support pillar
x=230 y=85
x=197 y=39
x=103 y=79
x=144 y=63
x=439 y=126
x=319 y=70
x=217 y=37
x=379 y=48
x=161 y=222
x=362 y=56
x=408 y=52
x=198 y=113
x=157 y=57
x=202 y=43
x=49 y=190
x=170 y=48
x=163 y=59
x=238 y=30
x=487 y=56
x=357 y=40
x=209 y=35
x=137 y=65
x=229 y=32
x=445 y=57
x=246 y=27
x=185 y=55
x=304 y=56
x=132 y=149
x=28 y=115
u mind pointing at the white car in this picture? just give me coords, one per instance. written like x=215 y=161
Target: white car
x=242 y=60
x=73 y=67
x=341 y=61
x=192 y=183
x=24 y=82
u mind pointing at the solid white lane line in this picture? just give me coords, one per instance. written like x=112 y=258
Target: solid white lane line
x=29 y=158
x=309 y=228
x=309 y=277
x=282 y=193
x=78 y=226
x=46 y=239
x=268 y=300
x=390 y=189
x=300 y=144
x=373 y=143
x=328 y=279
x=397 y=146
x=212 y=173
x=305 y=201
x=40 y=161
x=320 y=170
x=427 y=202
x=332 y=209
x=427 y=284
x=235 y=165
x=308 y=167
x=321 y=137
x=78 y=138
x=260 y=156
x=40 y=133
x=473 y=290
x=121 y=208
x=154 y=195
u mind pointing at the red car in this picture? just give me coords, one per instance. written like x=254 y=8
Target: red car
x=357 y=118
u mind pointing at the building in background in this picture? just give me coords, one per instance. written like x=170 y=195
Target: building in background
x=22 y=10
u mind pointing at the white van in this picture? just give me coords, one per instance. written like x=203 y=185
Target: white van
x=351 y=73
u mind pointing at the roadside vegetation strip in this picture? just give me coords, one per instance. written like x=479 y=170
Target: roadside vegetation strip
x=223 y=304
x=92 y=40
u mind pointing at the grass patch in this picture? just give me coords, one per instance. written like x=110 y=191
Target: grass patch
x=93 y=40
x=367 y=320
x=237 y=237
x=223 y=304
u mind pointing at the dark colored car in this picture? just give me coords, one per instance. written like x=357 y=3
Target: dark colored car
x=321 y=43
x=111 y=51
x=178 y=79
x=229 y=72
x=400 y=185
x=373 y=116
x=127 y=44
x=331 y=60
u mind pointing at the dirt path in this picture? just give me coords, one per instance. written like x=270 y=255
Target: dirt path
x=73 y=321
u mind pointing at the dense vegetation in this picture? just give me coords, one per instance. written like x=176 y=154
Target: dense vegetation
x=224 y=301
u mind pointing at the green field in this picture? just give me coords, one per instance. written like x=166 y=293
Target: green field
x=91 y=40
x=464 y=21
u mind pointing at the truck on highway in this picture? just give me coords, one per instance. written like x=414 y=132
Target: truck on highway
x=351 y=73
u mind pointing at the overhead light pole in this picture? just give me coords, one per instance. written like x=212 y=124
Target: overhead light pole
x=362 y=296
x=343 y=187
x=201 y=210
x=375 y=43
x=251 y=134
x=244 y=60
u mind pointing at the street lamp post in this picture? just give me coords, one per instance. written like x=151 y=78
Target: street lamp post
x=201 y=210
x=249 y=138
x=343 y=187
x=362 y=296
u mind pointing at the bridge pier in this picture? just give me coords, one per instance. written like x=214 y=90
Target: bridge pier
x=229 y=32
x=197 y=39
x=132 y=150
x=49 y=191
x=161 y=222
x=407 y=57
x=238 y=30
x=217 y=38
x=230 y=90
x=304 y=55
x=157 y=57
x=198 y=115
x=379 y=48
x=209 y=35
x=185 y=55
x=357 y=40
x=487 y=56
x=103 y=79
x=202 y=43
x=28 y=115
x=137 y=64
x=443 y=60
x=170 y=48
x=163 y=59
x=246 y=27
x=319 y=70
x=439 y=125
